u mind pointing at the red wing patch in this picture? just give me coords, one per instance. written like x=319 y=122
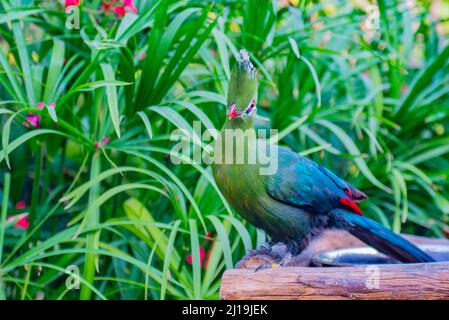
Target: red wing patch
x=349 y=202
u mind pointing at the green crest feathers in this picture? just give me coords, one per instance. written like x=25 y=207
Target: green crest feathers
x=243 y=83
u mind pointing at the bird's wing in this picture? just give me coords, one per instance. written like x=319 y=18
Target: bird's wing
x=303 y=183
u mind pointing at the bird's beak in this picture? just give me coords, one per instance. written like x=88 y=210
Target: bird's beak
x=233 y=112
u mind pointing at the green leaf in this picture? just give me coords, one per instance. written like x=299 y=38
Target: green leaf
x=132 y=24
x=25 y=62
x=54 y=71
x=422 y=78
x=5 y=138
x=295 y=125
x=146 y=122
x=4 y=214
x=111 y=95
x=19 y=13
x=243 y=232
x=25 y=137
x=168 y=252
x=352 y=148
x=52 y=111
x=17 y=91
x=136 y=211
x=92 y=221
x=224 y=240
x=196 y=262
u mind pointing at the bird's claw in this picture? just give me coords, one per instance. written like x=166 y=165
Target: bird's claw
x=284 y=262
x=267 y=266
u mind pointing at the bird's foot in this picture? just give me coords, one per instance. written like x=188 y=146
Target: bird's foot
x=261 y=256
x=264 y=249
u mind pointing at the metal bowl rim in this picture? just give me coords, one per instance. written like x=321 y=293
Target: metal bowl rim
x=321 y=257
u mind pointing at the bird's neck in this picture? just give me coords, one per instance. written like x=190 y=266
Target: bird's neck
x=236 y=140
x=239 y=123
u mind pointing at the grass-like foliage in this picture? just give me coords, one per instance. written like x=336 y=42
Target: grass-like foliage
x=89 y=97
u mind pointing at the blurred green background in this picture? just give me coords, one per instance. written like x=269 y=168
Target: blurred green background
x=92 y=207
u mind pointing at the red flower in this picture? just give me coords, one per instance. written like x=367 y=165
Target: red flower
x=208 y=236
x=106 y=5
x=69 y=3
x=23 y=223
x=189 y=258
x=120 y=11
x=21 y=205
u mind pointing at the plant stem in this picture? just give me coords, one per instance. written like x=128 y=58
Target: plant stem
x=36 y=182
x=25 y=285
x=4 y=212
x=91 y=238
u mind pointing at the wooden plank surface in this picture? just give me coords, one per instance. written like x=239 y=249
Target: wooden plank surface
x=302 y=282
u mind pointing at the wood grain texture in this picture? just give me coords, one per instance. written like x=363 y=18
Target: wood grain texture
x=301 y=282
x=412 y=281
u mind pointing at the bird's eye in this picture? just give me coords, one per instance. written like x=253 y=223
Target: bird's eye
x=250 y=107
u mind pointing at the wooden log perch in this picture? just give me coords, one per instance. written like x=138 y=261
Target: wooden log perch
x=389 y=281
x=417 y=281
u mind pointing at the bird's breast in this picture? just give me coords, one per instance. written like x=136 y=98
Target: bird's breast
x=243 y=190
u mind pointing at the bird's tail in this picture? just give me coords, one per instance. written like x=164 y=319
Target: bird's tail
x=379 y=237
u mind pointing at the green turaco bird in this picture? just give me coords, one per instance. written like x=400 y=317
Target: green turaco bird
x=298 y=200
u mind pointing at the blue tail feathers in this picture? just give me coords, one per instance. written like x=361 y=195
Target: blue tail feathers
x=379 y=237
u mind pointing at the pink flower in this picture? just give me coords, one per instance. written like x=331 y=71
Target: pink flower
x=189 y=258
x=142 y=56
x=33 y=119
x=52 y=105
x=106 y=141
x=130 y=5
x=69 y=3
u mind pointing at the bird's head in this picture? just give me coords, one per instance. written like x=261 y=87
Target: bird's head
x=242 y=91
